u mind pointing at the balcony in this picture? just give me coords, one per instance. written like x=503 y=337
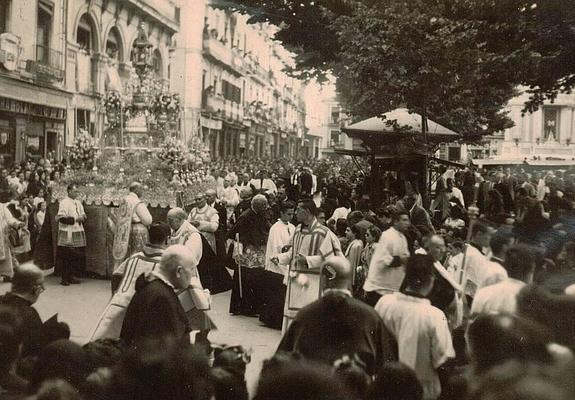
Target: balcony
x=162 y=11
x=214 y=103
x=217 y=49
x=48 y=64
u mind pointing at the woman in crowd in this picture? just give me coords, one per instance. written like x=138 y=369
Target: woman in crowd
x=354 y=235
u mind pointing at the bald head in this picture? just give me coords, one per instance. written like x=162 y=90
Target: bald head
x=436 y=247
x=178 y=265
x=178 y=213
x=337 y=273
x=176 y=217
x=27 y=278
x=259 y=203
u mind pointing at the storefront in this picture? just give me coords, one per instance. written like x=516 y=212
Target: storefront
x=30 y=131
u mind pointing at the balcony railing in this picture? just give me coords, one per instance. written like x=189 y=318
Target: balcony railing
x=48 y=64
x=49 y=57
x=217 y=49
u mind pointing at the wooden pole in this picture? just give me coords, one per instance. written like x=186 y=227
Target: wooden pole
x=237 y=250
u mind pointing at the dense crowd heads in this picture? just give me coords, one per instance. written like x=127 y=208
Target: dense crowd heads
x=467 y=297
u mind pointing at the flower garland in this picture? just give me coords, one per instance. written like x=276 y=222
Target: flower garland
x=173 y=152
x=84 y=152
x=113 y=104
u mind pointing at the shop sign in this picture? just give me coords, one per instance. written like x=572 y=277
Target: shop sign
x=9 y=51
x=20 y=107
x=211 y=123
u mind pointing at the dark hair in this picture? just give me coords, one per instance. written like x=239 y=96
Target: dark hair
x=521 y=381
x=555 y=312
x=395 y=381
x=501 y=238
x=302 y=381
x=161 y=368
x=287 y=205
x=480 y=226
x=383 y=212
x=358 y=232
x=104 y=353
x=520 y=261
x=496 y=338
x=228 y=386
x=351 y=371
x=419 y=270
x=309 y=205
x=71 y=186
x=354 y=217
x=375 y=232
x=64 y=360
x=159 y=232
x=10 y=337
x=340 y=226
x=397 y=215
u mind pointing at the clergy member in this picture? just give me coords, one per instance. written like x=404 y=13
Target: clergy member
x=124 y=282
x=311 y=245
x=132 y=225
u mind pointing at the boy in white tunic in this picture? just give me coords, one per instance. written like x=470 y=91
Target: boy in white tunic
x=423 y=338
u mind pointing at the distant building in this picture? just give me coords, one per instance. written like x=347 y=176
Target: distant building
x=59 y=57
x=237 y=97
x=324 y=121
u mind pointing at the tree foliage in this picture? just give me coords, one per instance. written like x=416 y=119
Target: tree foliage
x=456 y=61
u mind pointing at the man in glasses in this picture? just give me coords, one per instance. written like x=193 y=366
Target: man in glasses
x=27 y=285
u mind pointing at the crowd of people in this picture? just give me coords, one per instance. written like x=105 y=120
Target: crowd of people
x=468 y=297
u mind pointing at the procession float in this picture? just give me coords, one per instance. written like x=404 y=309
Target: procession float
x=140 y=143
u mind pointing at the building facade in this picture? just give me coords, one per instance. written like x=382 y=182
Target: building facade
x=547 y=133
x=325 y=119
x=237 y=97
x=59 y=57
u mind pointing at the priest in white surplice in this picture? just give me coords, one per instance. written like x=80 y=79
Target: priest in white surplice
x=279 y=237
x=311 y=244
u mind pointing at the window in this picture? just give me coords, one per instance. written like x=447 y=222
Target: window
x=113 y=45
x=334 y=115
x=551 y=123
x=84 y=34
x=83 y=120
x=157 y=64
x=4 y=15
x=44 y=31
x=454 y=153
x=334 y=138
x=231 y=92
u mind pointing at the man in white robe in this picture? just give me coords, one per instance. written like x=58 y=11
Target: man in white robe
x=124 y=278
x=311 y=245
x=206 y=219
x=274 y=290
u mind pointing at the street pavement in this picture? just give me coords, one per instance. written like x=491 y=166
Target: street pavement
x=81 y=305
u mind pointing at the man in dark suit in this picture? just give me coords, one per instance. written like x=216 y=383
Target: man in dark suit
x=27 y=285
x=155 y=310
x=417 y=215
x=306 y=183
x=337 y=324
